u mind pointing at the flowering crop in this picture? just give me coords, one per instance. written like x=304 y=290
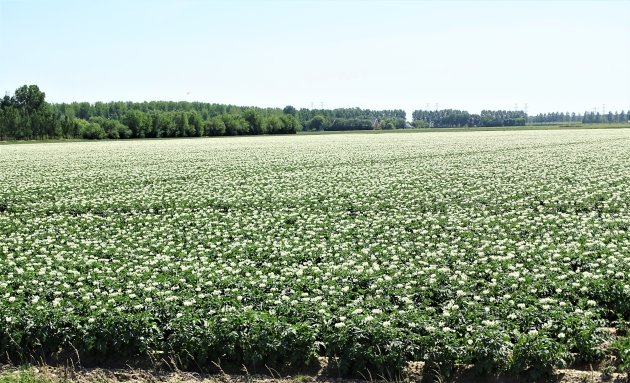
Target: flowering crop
x=506 y=250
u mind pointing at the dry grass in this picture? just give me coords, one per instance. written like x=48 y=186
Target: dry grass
x=415 y=373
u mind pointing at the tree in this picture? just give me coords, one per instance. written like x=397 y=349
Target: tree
x=29 y=97
x=182 y=126
x=235 y=124
x=340 y=124
x=196 y=124
x=316 y=123
x=84 y=110
x=138 y=122
x=30 y=103
x=386 y=124
x=290 y=110
x=274 y=124
x=9 y=120
x=113 y=129
x=255 y=121
x=90 y=130
x=214 y=127
x=420 y=124
x=291 y=124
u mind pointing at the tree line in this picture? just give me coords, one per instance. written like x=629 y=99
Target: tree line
x=610 y=117
x=453 y=118
x=352 y=119
x=555 y=117
x=26 y=116
x=586 y=118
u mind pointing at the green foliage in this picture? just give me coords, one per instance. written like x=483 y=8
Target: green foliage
x=196 y=124
x=375 y=250
x=621 y=351
x=316 y=123
x=586 y=340
x=29 y=98
x=363 y=351
x=273 y=124
x=90 y=130
x=350 y=114
x=114 y=129
x=538 y=355
x=24 y=376
x=290 y=110
x=490 y=352
x=451 y=118
x=291 y=124
x=254 y=339
x=284 y=124
x=596 y=117
x=235 y=124
x=255 y=121
x=214 y=127
x=555 y=117
x=26 y=116
x=391 y=123
x=342 y=124
x=420 y=124
x=138 y=121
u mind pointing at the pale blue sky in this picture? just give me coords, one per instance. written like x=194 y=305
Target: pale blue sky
x=555 y=56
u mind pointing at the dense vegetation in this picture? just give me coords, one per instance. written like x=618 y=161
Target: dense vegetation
x=26 y=116
x=555 y=118
x=586 y=118
x=610 y=117
x=451 y=118
x=509 y=251
x=352 y=119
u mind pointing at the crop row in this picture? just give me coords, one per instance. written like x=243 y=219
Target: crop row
x=506 y=250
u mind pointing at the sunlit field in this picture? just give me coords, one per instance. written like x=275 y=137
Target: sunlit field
x=506 y=250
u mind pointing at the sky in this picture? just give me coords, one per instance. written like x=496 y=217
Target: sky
x=539 y=56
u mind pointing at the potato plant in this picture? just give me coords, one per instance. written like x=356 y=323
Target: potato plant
x=506 y=250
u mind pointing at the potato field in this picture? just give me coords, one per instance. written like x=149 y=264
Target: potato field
x=508 y=251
